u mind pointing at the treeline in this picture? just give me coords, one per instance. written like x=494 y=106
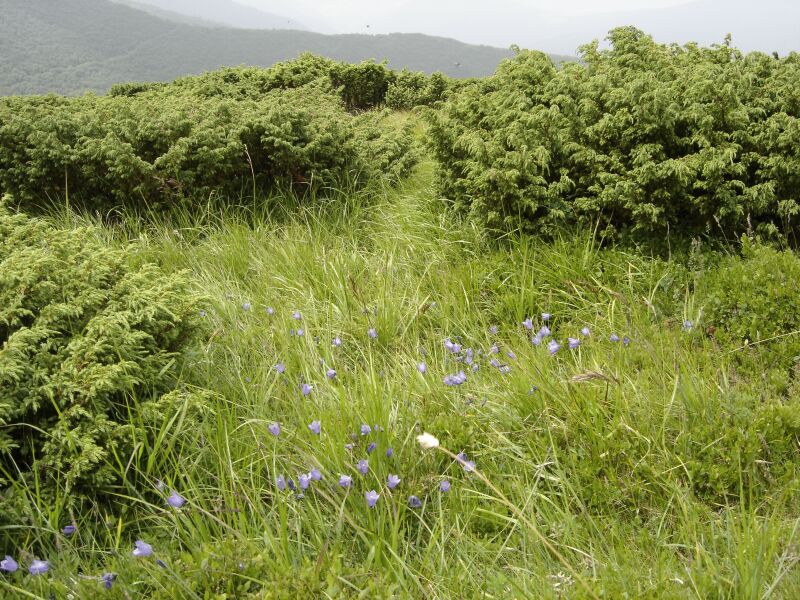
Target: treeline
x=641 y=138
x=307 y=123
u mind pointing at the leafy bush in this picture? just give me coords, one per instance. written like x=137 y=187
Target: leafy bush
x=642 y=138
x=86 y=340
x=754 y=297
x=178 y=143
x=411 y=88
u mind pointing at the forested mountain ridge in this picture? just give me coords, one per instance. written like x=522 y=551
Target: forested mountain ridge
x=73 y=46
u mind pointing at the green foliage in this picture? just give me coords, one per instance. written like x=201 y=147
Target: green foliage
x=756 y=297
x=641 y=138
x=86 y=340
x=411 y=89
x=219 y=134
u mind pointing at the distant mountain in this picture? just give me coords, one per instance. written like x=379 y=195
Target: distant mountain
x=766 y=25
x=72 y=46
x=168 y=15
x=499 y=23
x=224 y=12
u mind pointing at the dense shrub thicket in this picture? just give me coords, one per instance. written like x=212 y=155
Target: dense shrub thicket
x=220 y=133
x=86 y=341
x=641 y=137
x=362 y=86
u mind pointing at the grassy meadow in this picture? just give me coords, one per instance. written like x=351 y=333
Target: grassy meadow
x=333 y=331
x=630 y=457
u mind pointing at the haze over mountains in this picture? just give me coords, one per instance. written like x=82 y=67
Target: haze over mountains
x=72 y=46
x=222 y=12
x=765 y=25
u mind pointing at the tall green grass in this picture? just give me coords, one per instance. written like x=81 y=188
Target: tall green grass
x=598 y=447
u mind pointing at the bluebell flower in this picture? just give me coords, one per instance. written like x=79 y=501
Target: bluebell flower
x=330 y=374
x=536 y=340
x=553 y=347
x=544 y=332
x=448 y=345
x=505 y=369
x=142 y=549
x=296 y=315
x=38 y=567
x=454 y=380
x=280 y=481
x=270 y=310
x=414 y=502
x=304 y=480
x=389 y=452
x=573 y=343
x=392 y=481
x=315 y=427
x=586 y=332
x=337 y=341
x=161 y=563
x=687 y=325
x=68 y=530
x=246 y=306
x=175 y=500
x=108 y=580
x=348 y=447
x=365 y=429
x=626 y=341
x=280 y=368
x=362 y=466
x=495 y=349
x=373 y=333
x=444 y=486
x=274 y=429
x=475 y=367
x=9 y=565
x=511 y=355
x=372 y=498
x=422 y=367
x=495 y=363
x=345 y=481
x=290 y=484
x=468 y=465
x=301 y=332
x=315 y=474
x=546 y=316
x=614 y=338
x=371 y=448
x=528 y=324
x=306 y=389
x=493 y=330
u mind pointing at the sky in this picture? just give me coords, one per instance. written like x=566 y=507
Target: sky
x=557 y=26
x=343 y=13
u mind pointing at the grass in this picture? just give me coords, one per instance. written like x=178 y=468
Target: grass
x=631 y=460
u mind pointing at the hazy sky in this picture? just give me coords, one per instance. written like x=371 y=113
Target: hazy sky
x=347 y=15
x=558 y=26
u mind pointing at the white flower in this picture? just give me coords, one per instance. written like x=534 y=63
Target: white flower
x=427 y=441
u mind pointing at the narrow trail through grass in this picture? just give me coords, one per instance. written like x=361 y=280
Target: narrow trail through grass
x=602 y=444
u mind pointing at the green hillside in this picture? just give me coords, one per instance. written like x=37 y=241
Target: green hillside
x=71 y=46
